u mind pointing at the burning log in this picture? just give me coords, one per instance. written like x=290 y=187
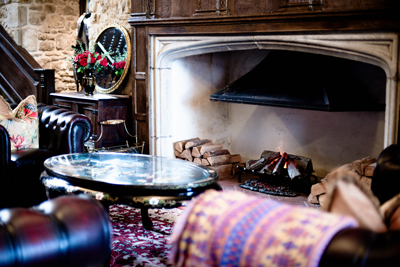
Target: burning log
x=279 y=167
x=255 y=164
x=292 y=169
x=269 y=168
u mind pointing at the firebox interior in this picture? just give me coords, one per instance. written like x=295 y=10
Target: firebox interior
x=308 y=81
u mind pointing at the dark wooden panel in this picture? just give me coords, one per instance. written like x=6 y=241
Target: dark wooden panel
x=143 y=134
x=202 y=17
x=149 y=9
x=21 y=75
x=98 y=110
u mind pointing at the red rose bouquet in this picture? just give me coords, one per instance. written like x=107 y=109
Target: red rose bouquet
x=119 y=67
x=87 y=60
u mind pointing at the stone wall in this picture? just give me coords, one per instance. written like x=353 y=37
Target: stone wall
x=47 y=30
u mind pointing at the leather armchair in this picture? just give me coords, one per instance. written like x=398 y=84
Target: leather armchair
x=360 y=247
x=66 y=231
x=61 y=131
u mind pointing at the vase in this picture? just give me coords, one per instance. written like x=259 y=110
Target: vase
x=89 y=82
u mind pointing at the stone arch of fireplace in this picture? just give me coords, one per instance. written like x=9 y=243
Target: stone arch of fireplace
x=376 y=49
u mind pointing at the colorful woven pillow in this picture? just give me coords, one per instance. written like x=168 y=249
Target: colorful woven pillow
x=22 y=123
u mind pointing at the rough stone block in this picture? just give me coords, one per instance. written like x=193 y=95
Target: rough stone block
x=55 y=22
x=22 y=16
x=29 y=39
x=36 y=18
x=64 y=42
x=47 y=46
x=49 y=9
x=68 y=11
x=36 y=8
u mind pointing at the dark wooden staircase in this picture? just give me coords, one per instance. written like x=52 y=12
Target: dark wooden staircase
x=21 y=75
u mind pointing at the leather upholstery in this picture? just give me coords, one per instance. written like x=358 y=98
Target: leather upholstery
x=386 y=180
x=359 y=247
x=66 y=231
x=61 y=131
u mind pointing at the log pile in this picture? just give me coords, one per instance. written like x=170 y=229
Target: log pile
x=205 y=152
x=364 y=168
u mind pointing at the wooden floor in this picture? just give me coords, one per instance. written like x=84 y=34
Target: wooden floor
x=231 y=183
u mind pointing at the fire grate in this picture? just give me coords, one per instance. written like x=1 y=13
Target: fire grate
x=269 y=188
x=278 y=174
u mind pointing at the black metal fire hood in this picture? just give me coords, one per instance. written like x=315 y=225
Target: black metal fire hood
x=307 y=81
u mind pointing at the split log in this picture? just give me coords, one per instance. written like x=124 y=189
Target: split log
x=186 y=154
x=177 y=154
x=180 y=145
x=205 y=148
x=292 y=169
x=219 y=160
x=268 y=154
x=255 y=164
x=317 y=189
x=197 y=160
x=267 y=169
x=196 y=151
x=205 y=162
x=369 y=170
x=333 y=176
x=359 y=165
x=322 y=199
x=193 y=143
x=223 y=170
x=325 y=182
x=312 y=199
x=236 y=158
x=281 y=163
x=366 y=181
x=273 y=156
x=208 y=154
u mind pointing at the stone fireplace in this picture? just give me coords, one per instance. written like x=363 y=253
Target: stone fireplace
x=184 y=67
x=186 y=70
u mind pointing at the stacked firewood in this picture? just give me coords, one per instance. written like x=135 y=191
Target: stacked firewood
x=205 y=152
x=364 y=168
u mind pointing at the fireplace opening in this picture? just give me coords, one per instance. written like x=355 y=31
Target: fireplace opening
x=310 y=81
x=331 y=139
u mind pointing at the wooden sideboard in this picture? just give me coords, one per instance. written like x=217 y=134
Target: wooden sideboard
x=98 y=108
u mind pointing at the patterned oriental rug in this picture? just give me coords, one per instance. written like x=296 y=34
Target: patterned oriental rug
x=135 y=246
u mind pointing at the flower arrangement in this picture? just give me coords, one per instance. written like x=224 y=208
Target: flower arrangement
x=119 y=67
x=119 y=63
x=88 y=59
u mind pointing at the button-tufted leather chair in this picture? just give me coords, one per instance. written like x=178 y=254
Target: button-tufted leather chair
x=73 y=231
x=61 y=131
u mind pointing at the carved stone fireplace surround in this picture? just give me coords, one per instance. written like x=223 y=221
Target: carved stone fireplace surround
x=370 y=35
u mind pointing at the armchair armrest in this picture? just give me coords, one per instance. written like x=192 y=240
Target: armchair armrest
x=65 y=231
x=62 y=130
